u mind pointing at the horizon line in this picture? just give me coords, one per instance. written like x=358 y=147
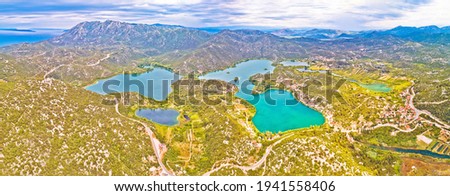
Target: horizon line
x=236 y=27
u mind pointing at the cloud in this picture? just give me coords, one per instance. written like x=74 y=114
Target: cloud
x=349 y=15
x=435 y=13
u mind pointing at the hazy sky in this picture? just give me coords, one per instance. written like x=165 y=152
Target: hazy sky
x=346 y=15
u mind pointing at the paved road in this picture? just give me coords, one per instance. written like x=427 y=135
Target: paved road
x=156 y=144
x=250 y=167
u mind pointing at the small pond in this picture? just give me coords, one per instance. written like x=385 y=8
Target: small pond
x=294 y=63
x=160 y=116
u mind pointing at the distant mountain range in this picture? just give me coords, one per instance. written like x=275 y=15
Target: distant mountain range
x=18 y=30
x=432 y=34
x=227 y=47
x=33 y=30
x=312 y=33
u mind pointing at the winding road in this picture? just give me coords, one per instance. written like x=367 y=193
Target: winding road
x=418 y=112
x=250 y=167
x=156 y=144
x=432 y=103
x=100 y=60
x=52 y=70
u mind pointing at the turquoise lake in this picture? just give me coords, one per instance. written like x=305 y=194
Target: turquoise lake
x=160 y=116
x=154 y=84
x=376 y=87
x=276 y=110
x=283 y=113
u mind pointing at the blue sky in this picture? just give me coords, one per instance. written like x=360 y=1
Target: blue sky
x=345 y=15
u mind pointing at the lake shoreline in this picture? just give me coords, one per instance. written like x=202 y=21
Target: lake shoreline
x=271 y=119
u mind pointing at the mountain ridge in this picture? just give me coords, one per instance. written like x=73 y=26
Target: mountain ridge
x=114 y=33
x=188 y=50
x=404 y=32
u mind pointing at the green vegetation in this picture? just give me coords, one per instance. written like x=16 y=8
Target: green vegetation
x=50 y=125
x=387 y=136
x=51 y=128
x=212 y=134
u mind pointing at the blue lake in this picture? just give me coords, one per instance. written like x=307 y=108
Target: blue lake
x=160 y=116
x=294 y=63
x=276 y=110
x=242 y=70
x=154 y=84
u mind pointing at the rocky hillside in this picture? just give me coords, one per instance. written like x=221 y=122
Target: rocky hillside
x=160 y=38
x=228 y=47
x=48 y=127
x=99 y=49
